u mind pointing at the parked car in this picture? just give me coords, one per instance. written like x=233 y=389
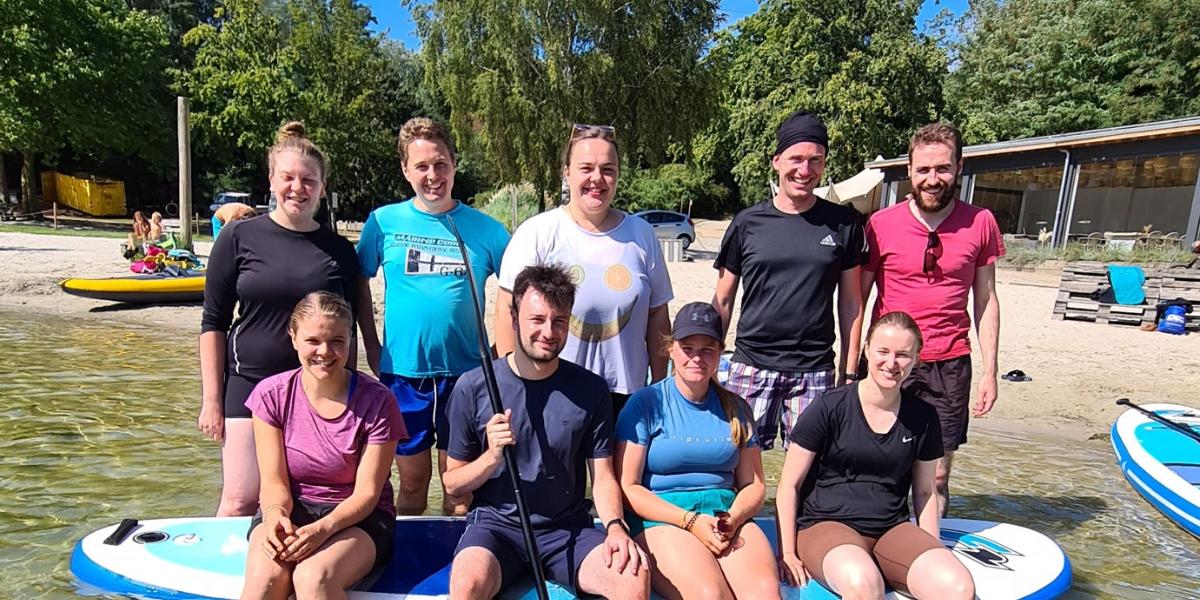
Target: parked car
x=227 y=197
x=671 y=225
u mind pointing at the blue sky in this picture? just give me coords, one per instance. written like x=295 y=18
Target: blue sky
x=395 y=19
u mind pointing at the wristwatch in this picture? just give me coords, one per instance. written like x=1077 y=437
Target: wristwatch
x=620 y=522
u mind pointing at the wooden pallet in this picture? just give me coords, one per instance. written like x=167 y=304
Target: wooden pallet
x=1081 y=279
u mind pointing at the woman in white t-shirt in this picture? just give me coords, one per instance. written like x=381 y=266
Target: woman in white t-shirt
x=620 y=315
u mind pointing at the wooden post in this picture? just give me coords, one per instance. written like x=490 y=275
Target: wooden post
x=56 y=215
x=513 y=202
x=333 y=206
x=185 y=171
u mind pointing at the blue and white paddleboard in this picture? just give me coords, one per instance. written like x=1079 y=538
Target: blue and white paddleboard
x=1162 y=464
x=205 y=558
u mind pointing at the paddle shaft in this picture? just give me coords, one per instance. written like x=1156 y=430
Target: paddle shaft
x=1185 y=430
x=510 y=458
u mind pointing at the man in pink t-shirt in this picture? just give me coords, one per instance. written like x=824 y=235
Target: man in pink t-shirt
x=926 y=255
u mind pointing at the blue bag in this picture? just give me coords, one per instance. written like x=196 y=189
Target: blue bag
x=1173 y=320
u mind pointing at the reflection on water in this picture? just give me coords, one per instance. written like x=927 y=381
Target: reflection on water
x=97 y=423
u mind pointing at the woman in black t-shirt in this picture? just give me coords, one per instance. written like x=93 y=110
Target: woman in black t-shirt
x=262 y=267
x=858 y=450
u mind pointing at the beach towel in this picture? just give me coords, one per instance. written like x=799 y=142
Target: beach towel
x=1126 y=282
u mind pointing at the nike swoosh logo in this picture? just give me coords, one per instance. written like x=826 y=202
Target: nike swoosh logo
x=908 y=439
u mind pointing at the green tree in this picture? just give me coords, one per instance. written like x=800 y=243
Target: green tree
x=84 y=74
x=515 y=73
x=1038 y=67
x=858 y=64
x=260 y=63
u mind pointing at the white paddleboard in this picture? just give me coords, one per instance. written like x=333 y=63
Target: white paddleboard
x=204 y=558
x=1162 y=464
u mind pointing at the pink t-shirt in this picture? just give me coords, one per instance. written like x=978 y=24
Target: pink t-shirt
x=322 y=454
x=970 y=238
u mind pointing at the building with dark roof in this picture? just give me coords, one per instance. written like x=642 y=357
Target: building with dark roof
x=1119 y=183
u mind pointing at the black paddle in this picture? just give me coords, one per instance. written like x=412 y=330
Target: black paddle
x=510 y=459
x=1185 y=430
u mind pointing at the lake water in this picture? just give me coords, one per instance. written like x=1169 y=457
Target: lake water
x=97 y=423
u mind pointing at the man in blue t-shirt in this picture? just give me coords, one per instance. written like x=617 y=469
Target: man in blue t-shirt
x=429 y=327
x=558 y=421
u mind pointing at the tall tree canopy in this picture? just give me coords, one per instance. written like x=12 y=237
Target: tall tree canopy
x=88 y=74
x=261 y=63
x=1038 y=67
x=859 y=64
x=515 y=73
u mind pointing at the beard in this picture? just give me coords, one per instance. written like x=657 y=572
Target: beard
x=536 y=353
x=939 y=202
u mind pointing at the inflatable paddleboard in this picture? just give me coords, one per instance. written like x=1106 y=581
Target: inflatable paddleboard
x=140 y=289
x=204 y=558
x=1162 y=464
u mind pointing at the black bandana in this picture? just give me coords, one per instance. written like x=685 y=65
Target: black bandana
x=801 y=126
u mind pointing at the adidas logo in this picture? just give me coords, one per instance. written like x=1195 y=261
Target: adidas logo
x=828 y=240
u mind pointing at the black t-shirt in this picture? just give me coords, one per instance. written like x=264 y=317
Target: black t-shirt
x=859 y=477
x=264 y=269
x=790 y=266
x=558 y=423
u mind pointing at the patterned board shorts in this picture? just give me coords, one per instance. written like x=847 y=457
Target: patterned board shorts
x=776 y=397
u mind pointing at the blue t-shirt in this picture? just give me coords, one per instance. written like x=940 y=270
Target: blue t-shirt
x=688 y=446
x=559 y=423
x=428 y=321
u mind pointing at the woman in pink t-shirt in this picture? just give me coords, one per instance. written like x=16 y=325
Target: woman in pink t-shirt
x=324 y=438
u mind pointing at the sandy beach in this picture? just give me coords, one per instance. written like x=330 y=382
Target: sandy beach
x=1078 y=369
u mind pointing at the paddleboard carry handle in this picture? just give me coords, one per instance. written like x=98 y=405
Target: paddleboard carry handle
x=121 y=532
x=1185 y=430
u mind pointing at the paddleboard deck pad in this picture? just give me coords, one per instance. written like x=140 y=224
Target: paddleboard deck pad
x=139 y=289
x=1162 y=464
x=204 y=558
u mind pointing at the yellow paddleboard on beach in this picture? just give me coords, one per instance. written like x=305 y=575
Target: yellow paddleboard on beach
x=140 y=289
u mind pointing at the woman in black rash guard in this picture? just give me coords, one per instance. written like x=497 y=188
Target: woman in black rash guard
x=262 y=267
x=842 y=502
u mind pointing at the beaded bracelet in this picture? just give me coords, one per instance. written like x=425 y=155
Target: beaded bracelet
x=683 y=519
x=692 y=521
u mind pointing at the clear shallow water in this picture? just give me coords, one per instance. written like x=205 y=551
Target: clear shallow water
x=97 y=423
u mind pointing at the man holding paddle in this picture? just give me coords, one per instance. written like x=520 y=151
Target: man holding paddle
x=557 y=421
x=928 y=254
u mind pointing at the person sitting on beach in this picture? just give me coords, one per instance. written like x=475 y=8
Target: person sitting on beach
x=558 y=423
x=324 y=436
x=857 y=452
x=692 y=473
x=141 y=230
x=156 y=227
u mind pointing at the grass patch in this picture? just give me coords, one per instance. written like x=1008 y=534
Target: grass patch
x=64 y=231
x=1025 y=256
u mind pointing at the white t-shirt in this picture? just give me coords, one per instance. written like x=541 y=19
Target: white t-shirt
x=620 y=276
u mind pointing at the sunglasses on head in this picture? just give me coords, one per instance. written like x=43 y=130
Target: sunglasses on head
x=932 y=243
x=607 y=130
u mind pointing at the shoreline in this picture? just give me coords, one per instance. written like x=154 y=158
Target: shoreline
x=1078 y=369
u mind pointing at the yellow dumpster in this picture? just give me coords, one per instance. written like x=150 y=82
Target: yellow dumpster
x=49 y=186
x=96 y=197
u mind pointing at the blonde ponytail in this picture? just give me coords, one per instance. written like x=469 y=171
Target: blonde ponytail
x=735 y=409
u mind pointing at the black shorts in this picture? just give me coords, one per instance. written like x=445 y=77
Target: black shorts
x=379 y=525
x=618 y=400
x=237 y=390
x=946 y=385
x=562 y=550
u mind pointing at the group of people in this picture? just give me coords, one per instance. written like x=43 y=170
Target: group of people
x=596 y=382
x=145 y=230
